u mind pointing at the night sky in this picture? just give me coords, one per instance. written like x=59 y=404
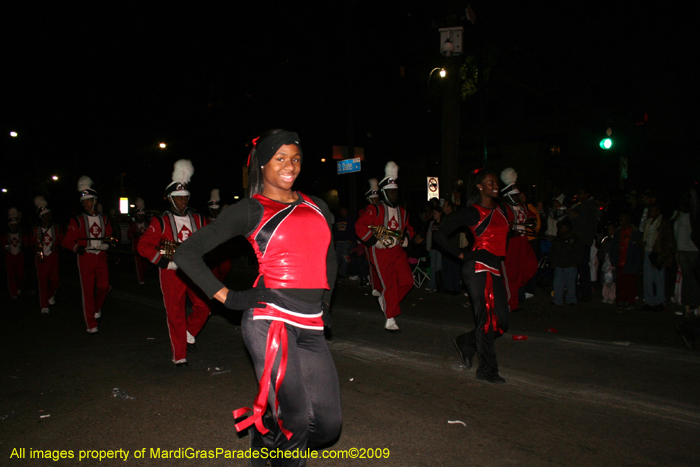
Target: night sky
x=93 y=90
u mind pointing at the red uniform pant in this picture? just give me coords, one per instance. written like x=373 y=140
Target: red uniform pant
x=394 y=274
x=15 y=272
x=519 y=267
x=94 y=281
x=140 y=263
x=47 y=274
x=177 y=288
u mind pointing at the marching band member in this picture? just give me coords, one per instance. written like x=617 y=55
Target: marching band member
x=137 y=227
x=47 y=238
x=385 y=250
x=283 y=322
x=14 y=243
x=175 y=227
x=372 y=196
x=220 y=257
x=520 y=264
x=88 y=234
x=486 y=217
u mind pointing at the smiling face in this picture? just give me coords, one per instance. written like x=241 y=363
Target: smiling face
x=281 y=171
x=489 y=186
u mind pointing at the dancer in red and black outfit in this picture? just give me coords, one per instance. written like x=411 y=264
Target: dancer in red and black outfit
x=388 y=257
x=283 y=322
x=47 y=238
x=177 y=226
x=486 y=218
x=14 y=243
x=86 y=236
x=137 y=227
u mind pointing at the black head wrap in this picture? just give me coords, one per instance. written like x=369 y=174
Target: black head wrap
x=266 y=148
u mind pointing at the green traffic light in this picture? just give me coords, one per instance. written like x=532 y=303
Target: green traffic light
x=606 y=143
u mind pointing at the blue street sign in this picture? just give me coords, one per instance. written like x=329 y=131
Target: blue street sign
x=349 y=166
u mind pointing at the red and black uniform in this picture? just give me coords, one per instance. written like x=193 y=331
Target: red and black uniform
x=92 y=261
x=50 y=238
x=482 y=275
x=136 y=230
x=174 y=284
x=285 y=338
x=14 y=245
x=520 y=264
x=391 y=264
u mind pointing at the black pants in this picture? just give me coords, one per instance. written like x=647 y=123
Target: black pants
x=309 y=398
x=477 y=339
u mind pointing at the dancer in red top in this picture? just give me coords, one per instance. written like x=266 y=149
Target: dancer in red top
x=176 y=228
x=88 y=236
x=387 y=255
x=283 y=322
x=486 y=218
x=47 y=236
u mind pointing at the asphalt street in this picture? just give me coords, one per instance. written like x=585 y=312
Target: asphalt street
x=589 y=387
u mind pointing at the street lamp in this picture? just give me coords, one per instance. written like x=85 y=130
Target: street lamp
x=162 y=145
x=54 y=178
x=442 y=73
x=13 y=134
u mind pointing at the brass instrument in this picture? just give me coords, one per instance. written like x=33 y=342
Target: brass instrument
x=385 y=235
x=167 y=248
x=113 y=242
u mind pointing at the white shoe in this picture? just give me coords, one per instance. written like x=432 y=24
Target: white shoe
x=98 y=315
x=44 y=310
x=52 y=301
x=391 y=325
x=190 y=338
x=354 y=278
x=376 y=293
x=93 y=330
x=529 y=295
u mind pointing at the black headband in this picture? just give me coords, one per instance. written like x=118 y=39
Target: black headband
x=266 y=148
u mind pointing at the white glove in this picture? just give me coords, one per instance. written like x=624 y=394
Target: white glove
x=103 y=247
x=380 y=245
x=394 y=242
x=172 y=266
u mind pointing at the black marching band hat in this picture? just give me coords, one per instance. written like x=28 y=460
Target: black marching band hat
x=373 y=191
x=85 y=188
x=391 y=172
x=12 y=216
x=41 y=206
x=182 y=173
x=140 y=206
x=509 y=177
x=213 y=202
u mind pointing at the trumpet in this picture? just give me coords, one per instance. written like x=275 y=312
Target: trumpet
x=385 y=235
x=167 y=248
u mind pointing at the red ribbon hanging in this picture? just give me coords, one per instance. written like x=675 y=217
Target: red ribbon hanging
x=491 y=318
x=255 y=144
x=276 y=339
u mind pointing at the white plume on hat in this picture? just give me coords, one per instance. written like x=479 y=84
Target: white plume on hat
x=84 y=183
x=374 y=184
x=40 y=202
x=183 y=171
x=391 y=170
x=140 y=205
x=12 y=213
x=215 y=196
x=509 y=176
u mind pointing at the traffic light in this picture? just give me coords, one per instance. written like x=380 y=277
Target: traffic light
x=606 y=143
